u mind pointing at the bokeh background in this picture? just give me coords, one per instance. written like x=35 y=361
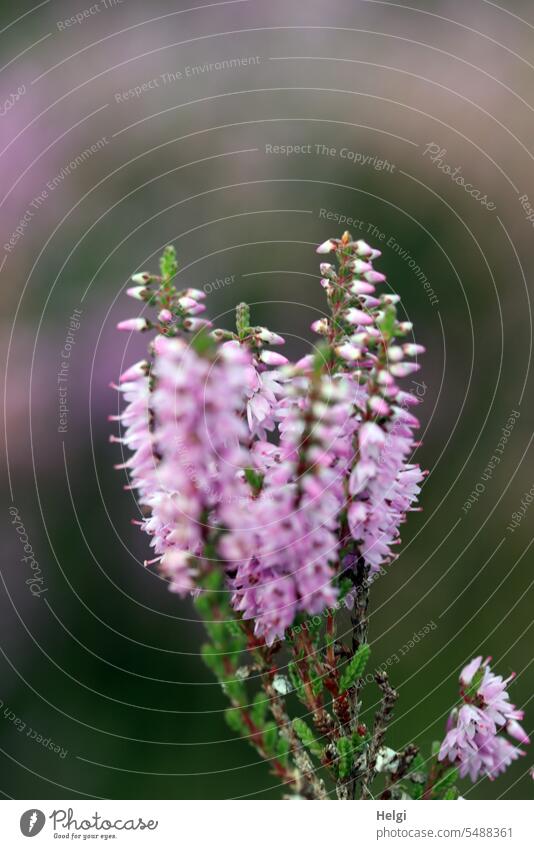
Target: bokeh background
x=159 y=123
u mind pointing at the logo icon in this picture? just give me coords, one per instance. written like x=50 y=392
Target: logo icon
x=32 y=822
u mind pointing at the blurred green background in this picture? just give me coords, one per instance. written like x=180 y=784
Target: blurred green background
x=156 y=123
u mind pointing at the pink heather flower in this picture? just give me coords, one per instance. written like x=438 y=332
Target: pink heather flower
x=283 y=543
x=475 y=740
x=136 y=433
x=192 y=423
x=262 y=391
x=387 y=484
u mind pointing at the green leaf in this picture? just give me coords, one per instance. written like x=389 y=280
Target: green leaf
x=212 y=658
x=270 y=737
x=322 y=358
x=317 y=682
x=451 y=793
x=260 y=708
x=345 y=756
x=307 y=737
x=386 y=324
x=234 y=690
x=296 y=681
x=235 y=720
x=472 y=689
x=434 y=749
x=202 y=343
x=413 y=789
x=355 y=668
x=255 y=479
x=282 y=750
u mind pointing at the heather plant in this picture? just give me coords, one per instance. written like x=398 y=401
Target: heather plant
x=273 y=493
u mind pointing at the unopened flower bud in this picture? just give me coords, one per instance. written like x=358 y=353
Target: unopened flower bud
x=405 y=326
x=131 y=324
x=140 y=293
x=360 y=287
x=196 y=294
x=194 y=324
x=326 y=247
x=165 y=316
x=326 y=268
x=373 y=276
x=272 y=358
x=359 y=266
x=379 y=406
x=395 y=354
x=320 y=326
x=348 y=352
x=186 y=303
x=354 y=316
x=268 y=336
x=362 y=248
x=141 y=277
x=412 y=350
x=404 y=369
x=369 y=302
x=137 y=370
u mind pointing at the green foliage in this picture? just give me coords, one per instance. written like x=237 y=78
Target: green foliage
x=451 y=793
x=212 y=658
x=307 y=737
x=235 y=720
x=471 y=690
x=317 y=682
x=270 y=738
x=202 y=343
x=235 y=690
x=387 y=323
x=282 y=750
x=296 y=681
x=355 y=667
x=412 y=789
x=259 y=709
x=345 y=753
x=168 y=263
x=446 y=782
x=322 y=358
x=254 y=479
x=434 y=749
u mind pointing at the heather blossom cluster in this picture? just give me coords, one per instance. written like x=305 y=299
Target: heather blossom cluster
x=475 y=737
x=272 y=490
